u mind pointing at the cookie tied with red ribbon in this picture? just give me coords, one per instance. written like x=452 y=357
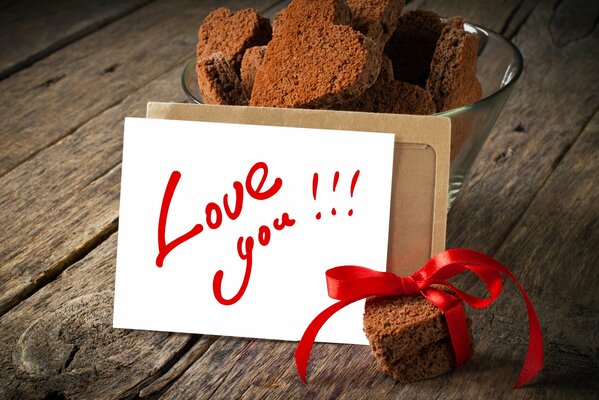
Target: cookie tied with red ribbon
x=408 y=337
x=351 y=283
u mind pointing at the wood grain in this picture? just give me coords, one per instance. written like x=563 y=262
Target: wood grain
x=554 y=99
x=47 y=102
x=61 y=343
x=55 y=23
x=78 y=208
x=200 y=345
x=555 y=250
x=64 y=208
x=274 y=373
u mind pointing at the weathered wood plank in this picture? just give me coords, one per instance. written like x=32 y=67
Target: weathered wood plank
x=256 y=366
x=555 y=98
x=44 y=103
x=198 y=349
x=78 y=204
x=30 y=29
x=74 y=210
x=555 y=250
x=62 y=197
x=61 y=340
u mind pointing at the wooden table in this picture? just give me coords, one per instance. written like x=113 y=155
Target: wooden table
x=70 y=71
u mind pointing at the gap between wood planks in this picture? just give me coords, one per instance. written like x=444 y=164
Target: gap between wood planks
x=53 y=273
x=91 y=117
x=178 y=365
x=69 y=133
x=168 y=366
x=224 y=379
x=518 y=18
x=66 y=40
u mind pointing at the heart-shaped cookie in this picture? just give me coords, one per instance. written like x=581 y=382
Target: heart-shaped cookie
x=232 y=34
x=252 y=59
x=218 y=82
x=409 y=337
x=375 y=18
x=413 y=44
x=452 y=80
x=314 y=62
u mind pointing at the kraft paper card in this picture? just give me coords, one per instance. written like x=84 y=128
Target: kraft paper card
x=230 y=216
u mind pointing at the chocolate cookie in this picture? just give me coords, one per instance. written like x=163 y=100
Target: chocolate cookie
x=232 y=34
x=375 y=18
x=452 y=80
x=409 y=337
x=305 y=14
x=218 y=82
x=314 y=62
x=252 y=59
x=413 y=44
x=386 y=72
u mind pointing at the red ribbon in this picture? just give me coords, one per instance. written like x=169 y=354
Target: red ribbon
x=352 y=283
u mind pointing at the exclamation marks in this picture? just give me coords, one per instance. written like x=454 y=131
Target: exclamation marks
x=315 y=190
x=354 y=180
x=335 y=180
x=352 y=188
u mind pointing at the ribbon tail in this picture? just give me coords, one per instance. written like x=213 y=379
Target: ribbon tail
x=304 y=348
x=456 y=323
x=533 y=362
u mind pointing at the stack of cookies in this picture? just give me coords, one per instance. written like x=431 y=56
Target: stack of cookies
x=409 y=337
x=356 y=55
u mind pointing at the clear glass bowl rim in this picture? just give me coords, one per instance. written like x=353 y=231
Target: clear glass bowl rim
x=516 y=56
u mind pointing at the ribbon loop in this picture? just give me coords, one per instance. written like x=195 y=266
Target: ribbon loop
x=352 y=283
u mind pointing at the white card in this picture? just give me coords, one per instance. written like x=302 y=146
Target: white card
x=174 y=172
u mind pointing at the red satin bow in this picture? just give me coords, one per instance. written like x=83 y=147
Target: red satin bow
x=351 y=283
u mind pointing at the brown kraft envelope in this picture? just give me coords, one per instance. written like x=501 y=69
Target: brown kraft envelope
x=420 y=166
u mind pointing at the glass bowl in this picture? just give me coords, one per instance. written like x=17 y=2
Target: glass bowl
x=499 y=66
